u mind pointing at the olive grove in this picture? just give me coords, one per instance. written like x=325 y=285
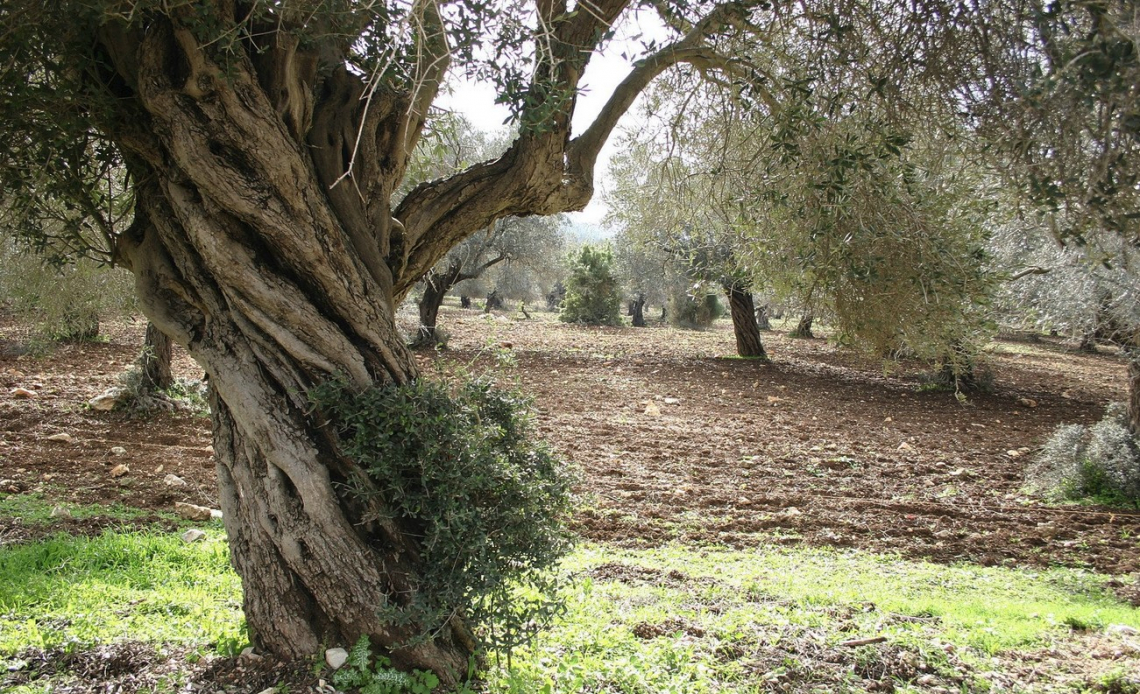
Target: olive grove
x=274 y=227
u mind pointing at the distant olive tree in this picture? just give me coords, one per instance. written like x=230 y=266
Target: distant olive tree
x=593 y=294
x=519 y=243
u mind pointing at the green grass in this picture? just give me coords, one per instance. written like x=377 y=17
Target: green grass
x=767 y=607
x=33 y=509
x=675 y=619
x=68 y=591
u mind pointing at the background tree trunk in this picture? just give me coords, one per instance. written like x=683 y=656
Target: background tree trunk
x=762 y=321
x=1134 y=390
x=803 y=328
x=154 y=362
x=436 y=287
x=743 y=310
x=637 y=310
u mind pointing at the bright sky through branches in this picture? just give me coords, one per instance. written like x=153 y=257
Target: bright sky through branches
x=476 y=100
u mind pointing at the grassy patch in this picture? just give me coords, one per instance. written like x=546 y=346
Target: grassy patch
x=69 y=591
x=33 y=509
x=685 y=620
x=675 y=619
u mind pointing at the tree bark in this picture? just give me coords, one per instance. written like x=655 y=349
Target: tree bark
x=743 y=310
x=803 y=328
x=1134 y=390
x=637 y=310
x=154 y=362
x=436 y=287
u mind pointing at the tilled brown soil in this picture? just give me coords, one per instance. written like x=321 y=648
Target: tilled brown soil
x=676 y=440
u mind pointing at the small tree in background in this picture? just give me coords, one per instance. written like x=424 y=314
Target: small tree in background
x=519 y=243
x=592 y=293
x=62 y=301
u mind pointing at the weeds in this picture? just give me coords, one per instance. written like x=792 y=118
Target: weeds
x=1100 y=463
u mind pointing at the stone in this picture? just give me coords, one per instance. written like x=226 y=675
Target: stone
x=120 y=471
x=336 y=657
x=60 y=438
x=671 y=401
x=118 y=450
x=174 y=481
x=1027 y=402
x=652 y=409
x=192 y=535
x=215 y=514
x=1122 y=629
x=904 y=446
x=23 y=393
x=60 y=512
x=791 y=511
x=192 y=511
x=106 y=401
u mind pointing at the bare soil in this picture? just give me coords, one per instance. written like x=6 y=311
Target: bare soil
x=676 y=440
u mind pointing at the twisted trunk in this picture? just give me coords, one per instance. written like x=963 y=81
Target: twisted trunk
x=637 y=310
x=743 y=309
x=436 y=287
x=274 y=283
x=154 y=363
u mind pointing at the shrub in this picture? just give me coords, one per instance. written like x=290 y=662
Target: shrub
x=592 y=293
x=459 y=465
x=64 y=302
x=693 y=312
x=1101 y=462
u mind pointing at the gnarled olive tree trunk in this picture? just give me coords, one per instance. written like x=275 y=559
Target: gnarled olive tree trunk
x=274 y=284
x=155 y=361
x=265 y=242
x=743 y=310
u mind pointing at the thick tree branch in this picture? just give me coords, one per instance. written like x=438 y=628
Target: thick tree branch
x=1035 y=270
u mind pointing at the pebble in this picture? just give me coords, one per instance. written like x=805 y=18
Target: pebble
x=192 y=511
x=60 y=512
x=118 y=450
x=61 y=438
x=174 y=481
x=192 y=535
x=106 y=400
x=336 y=657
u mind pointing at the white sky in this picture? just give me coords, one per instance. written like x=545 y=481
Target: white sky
x=476 y=101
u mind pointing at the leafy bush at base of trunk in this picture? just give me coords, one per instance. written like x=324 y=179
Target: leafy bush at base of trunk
x=1101 y=462
x=489 y=504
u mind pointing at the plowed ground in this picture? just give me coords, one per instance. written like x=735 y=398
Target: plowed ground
x=676 y=439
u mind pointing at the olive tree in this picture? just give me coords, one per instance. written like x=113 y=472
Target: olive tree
x=520 y=242
x=1064 y=113
x=264 y=144
x=666 y=204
